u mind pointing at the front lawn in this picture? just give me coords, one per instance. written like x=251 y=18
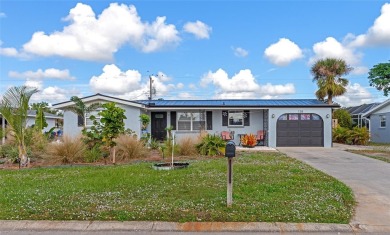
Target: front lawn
x=267 y=187
x=379 y=154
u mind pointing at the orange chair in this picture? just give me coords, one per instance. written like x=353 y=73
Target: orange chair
x=260 y=137
x=226 y=135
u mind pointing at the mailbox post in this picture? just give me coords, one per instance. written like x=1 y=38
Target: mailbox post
x=230 y=152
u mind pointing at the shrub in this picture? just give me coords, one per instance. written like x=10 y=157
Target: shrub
x=166 y=148
x=187 y=146
x=343 y=117
x=93 y=155
x=38 y=144
x=70 y=150
x=340 y=135
x=359 y=136
x=129 y=147
x=10 y=152
x=154 y=144
x=210 y=145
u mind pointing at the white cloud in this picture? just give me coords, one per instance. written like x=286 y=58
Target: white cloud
x=42 y=74
x=88 y=37
x=283 y=52
x=355 y=95
x=379 y=33
x=128 y=84
x=240 y=52
x=243 y=85
x=2 y=15
x=331 y=48
x=199 y=29
x=11 y=52
x=34 y=83
x=192 y=86
x=114 y=81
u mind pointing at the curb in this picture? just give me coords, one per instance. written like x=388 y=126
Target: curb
x=159 y=226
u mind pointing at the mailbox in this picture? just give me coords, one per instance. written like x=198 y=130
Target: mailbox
x=230 y=149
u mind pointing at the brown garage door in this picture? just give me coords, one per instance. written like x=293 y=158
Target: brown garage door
x=299 y=129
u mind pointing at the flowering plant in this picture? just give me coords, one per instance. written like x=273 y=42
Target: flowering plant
x=248 y=140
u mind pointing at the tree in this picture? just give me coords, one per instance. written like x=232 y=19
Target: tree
x=112 y=125
x=379 y=77
x=343 y=117
x=40 y=120
x=81 y=109
x=328 y=75
x=13 y=107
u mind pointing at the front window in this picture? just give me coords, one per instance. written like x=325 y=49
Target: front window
x=236 y=118
x=88 y=121
x=190 y=121
x=382 y=119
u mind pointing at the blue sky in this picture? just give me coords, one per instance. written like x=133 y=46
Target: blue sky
x=192 y=49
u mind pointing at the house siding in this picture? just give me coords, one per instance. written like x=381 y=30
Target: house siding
x=50 y=123
x=277 y=112
x=380 y=134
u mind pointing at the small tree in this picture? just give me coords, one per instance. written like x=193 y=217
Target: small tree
x=40 y=120
x=379 y=77
x=81 y=109
x=112 y=125
x=13 y=107
x=343 y=117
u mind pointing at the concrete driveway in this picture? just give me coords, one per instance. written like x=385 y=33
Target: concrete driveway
x=368 y=178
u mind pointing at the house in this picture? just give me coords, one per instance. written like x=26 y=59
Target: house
x=378 y=118
x=52 y=120
x=357 y=112
x=288 y=122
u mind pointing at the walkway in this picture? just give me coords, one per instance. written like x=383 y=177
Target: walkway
x=368 y=178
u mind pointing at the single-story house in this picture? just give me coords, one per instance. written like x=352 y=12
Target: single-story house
x=378 y=117
x=52 y=120
x=287 y=122
x=357 y=112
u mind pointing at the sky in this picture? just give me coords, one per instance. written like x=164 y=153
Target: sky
x=191 y=49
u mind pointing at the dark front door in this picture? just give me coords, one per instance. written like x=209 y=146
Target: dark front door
x=300 y=129
x=159 y=123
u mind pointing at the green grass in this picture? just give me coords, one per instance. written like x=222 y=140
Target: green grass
x=267 y=187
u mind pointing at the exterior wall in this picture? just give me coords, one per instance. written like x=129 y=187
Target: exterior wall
x=255 y=121
x=380 y=134
x=71 y=128
x=50 y=123
x=277 y=112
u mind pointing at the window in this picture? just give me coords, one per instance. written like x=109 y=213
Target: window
x=382 y=119
x=190 y=121
x=88 y=121
x=236 y=118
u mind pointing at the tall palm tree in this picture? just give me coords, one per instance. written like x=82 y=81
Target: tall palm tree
x=328 y=75
x=13 y=107
x=81 y=109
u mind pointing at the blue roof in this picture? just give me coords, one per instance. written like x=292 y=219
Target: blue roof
x=237 y=103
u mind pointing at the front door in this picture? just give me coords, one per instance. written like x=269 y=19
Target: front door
x=159 y=123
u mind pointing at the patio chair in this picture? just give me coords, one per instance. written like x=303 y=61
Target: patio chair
x=226 y=135
x=260 y=137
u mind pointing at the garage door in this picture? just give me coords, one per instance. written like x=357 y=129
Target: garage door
x=299 y=129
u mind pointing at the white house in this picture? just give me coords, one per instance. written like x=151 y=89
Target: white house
x=287 y=122
x=379 y=118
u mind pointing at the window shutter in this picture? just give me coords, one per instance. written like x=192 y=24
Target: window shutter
x=80 y=120
x=246 y=118
x=173 y=120
x=225 y=118
x=209 y=120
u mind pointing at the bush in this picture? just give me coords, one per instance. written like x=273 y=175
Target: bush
x=343 y=117
x=10 y=152
x=210 y=145
x=154 y=144
x=356 y=136
x=38 y=144
x=249 y=140
x=166 y=148
x=129 y=147
x=93 y=155
x=70 y=150
x=187 y=146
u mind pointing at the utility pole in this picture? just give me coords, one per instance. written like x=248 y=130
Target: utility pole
x=151 y=87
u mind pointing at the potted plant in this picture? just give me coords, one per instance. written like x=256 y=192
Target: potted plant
x=248 y=141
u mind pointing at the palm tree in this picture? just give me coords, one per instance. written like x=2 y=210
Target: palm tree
x=328 y=74
x=81 y=109
x=13 y=107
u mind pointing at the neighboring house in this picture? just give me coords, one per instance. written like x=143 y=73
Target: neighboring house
x=51 y=119
x=379 y=118
x=303 y=122
x=357 y=112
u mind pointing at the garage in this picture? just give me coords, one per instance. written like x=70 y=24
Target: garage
x=300 y=129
